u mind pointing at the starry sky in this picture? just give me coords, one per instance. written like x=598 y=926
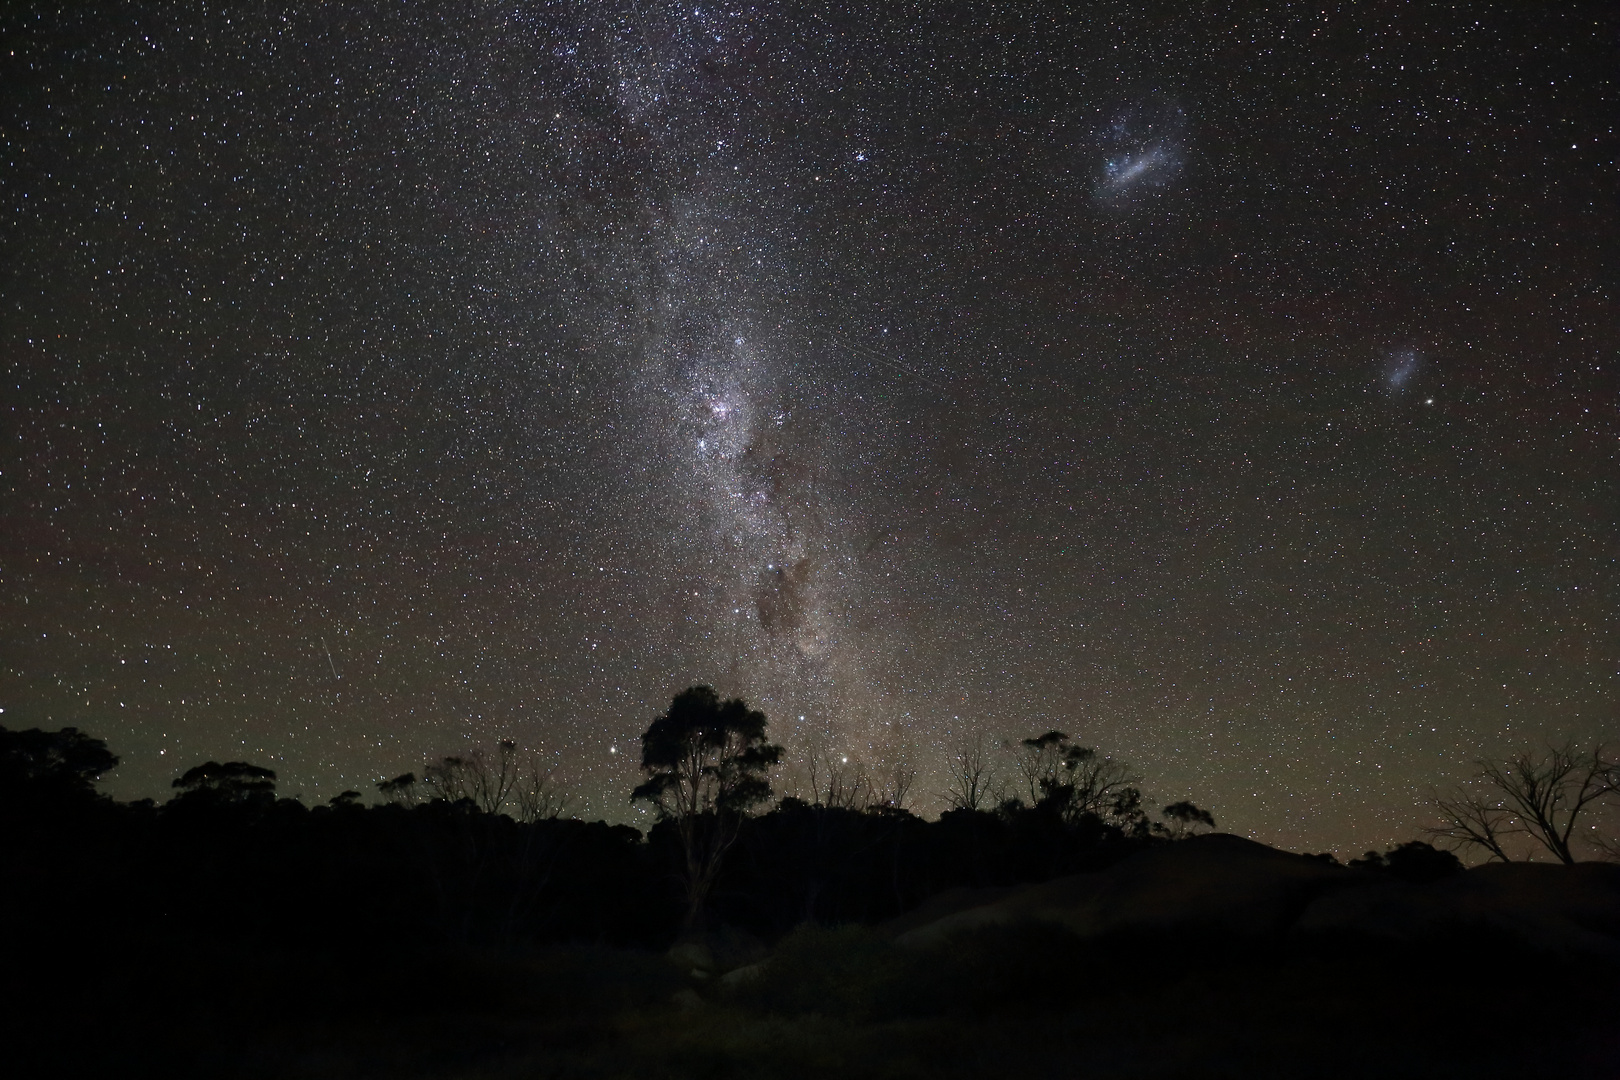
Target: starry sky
x=1232 y=388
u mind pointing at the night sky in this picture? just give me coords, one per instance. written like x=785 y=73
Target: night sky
x=1235 y=392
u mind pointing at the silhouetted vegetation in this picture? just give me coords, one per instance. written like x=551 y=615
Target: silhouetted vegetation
x=1546 y=797
x=47 y=769
x=1413 y=861
x=455 y=893
x=706 y=762
x=478 y=854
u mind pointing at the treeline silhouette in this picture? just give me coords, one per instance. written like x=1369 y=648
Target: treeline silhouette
x=228 y=859
x=463 y=925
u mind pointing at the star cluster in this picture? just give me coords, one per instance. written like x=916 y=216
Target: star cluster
x=1233 y=391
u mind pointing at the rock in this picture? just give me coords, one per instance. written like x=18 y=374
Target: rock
x=717 y=951
x=1213 y=882
x=1567 y=910
x=744 y=975
x=692 y=953
x=945 y=903
x=1234 y=885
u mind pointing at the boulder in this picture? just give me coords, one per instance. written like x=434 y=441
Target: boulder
x=744 y=975
x=716 y=951
x=1212 y=882
x=1567 y=910
x=1233 y=885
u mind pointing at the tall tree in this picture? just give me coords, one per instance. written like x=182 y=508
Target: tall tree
x=1042 y=762
x=707 y=763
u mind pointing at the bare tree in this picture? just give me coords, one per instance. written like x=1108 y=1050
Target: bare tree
x=490 y=781
x=817 y=758
x=448 y=779
x=1549 y=793
x=1541 y=795
x=835 y=781
x=848 y=787
x=1040 y=762
x=1470 y=820
x=507 y=780
x=1100 y=783
x=1080 y=782
x=974 y=783
x=493 y=779
x=898 y=781
x=537 y=793
x=840 y=783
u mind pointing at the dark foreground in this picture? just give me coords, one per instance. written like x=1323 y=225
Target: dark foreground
x=1027 y=1001
x=229 y=933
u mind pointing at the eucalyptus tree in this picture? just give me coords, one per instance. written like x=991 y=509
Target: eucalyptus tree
x=707 y=764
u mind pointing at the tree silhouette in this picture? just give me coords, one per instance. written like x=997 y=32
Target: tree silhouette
x=1472 y=820
x=490 y=782
x=475 y=776
x=1413 y=861
x=974 y=784
x=233 y=783
x=706 y=763
x=1041 y=763
x=1076 y=783
x=1540 y=795
x=537 y=794
x=898 y=780
x=401 y=790
x=40 y=765
x=1185 y=817
x=837 y=782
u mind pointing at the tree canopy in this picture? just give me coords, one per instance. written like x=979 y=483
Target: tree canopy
x=705 y=754
x=231 y=782
x=64 y=763
x=706 y=762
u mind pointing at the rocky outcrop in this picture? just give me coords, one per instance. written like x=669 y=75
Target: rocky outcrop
x=1233 y=885
x=1569 y=910
x=1215 y=882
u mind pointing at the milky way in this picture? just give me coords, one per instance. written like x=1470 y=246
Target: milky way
x=1234 y=394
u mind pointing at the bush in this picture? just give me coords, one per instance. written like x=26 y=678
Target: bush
x=1413 y=861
